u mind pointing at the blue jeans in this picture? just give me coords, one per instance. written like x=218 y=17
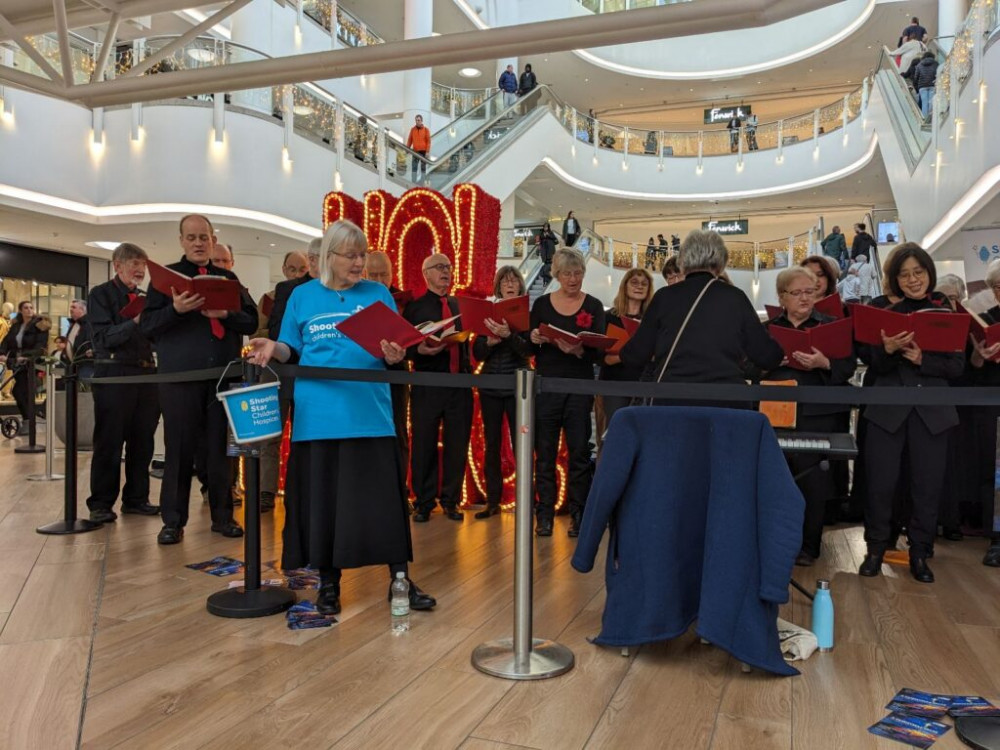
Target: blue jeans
x=926 y=97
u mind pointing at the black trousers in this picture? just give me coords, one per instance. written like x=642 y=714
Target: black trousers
x=430 y=409
x=20 y=389
x=570 y=239
x=333 y=575
x=124 y=416
x=400 y=393
x=928 y=455
x=817 y=486
x=556 y=412
x=191 y=414
x=493 y=408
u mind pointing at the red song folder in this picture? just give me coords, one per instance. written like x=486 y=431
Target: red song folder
x=631 y=325
x=220 y=293
x=985 y=333
x=832 y=339
x=620 y=335
x=402 y=298
x=593 y=340
x=772 y=311
x=375 y=323
x=935 y=331
x=266 y=305
x=134 y=307
x=513 y=311
x=831 y=305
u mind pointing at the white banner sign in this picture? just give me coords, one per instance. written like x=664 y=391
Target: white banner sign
x=980 y=246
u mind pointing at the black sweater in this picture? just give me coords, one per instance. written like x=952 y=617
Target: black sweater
x=116 y=337
x=722 y=331
x=509 y=356
x=422 y=310
x=550 y=360
x=184 y=341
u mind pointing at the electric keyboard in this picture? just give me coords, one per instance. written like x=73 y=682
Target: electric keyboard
x=834 y=445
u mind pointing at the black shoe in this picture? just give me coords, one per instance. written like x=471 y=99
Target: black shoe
x=421 y=516
x=574 y=526
x=156 y=472
x=920 y=571
x=419 y=600
x=142 y=509
x=170 y=535
x=328 y=599
x=871 y=566
x=103 y=516
x=952 y=535
x=543 y=527
x=453 y=514
x=805 y=560
x=266 y=502
x=490 y=510
x=230 y=529
x=992 y=557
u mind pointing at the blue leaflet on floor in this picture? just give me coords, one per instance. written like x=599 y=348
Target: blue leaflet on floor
x=304 y=616
x=303 y=581
x=218 y=566
x=917 y=731
x=919 y=703
x=972 y=705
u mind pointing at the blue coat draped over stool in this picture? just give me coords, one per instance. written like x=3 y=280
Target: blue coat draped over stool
x=706 y=522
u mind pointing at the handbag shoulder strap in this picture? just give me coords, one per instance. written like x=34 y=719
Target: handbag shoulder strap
x=677 y=338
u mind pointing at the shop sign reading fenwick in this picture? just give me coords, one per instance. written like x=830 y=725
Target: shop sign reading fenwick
x=730 y=226
x=725 y=114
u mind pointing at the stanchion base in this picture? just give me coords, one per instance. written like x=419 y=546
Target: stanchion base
x=44 y=477
x=240 y=603
x=30 y=449
x=546 y=659
x=78 y=526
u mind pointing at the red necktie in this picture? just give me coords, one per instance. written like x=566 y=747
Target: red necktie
x=217 y=330
x=132 y=296
x=452 y=350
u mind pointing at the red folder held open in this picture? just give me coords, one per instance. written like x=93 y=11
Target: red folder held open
x=513 y=311
x=832 y=339
x=935 y=331
x=830 y=305
x=220 y=293
x=593 y=340
x=134 y=307
x=370 y=326
x=985 y=333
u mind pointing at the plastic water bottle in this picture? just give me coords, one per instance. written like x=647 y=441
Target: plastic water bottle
x=400 y=604
x=822 y=616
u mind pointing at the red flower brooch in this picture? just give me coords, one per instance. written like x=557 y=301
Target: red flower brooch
x=584 y=319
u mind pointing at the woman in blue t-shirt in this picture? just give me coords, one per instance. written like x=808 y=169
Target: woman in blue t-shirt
x=344 y=502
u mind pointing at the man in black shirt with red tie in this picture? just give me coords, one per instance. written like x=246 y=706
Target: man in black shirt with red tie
x=432 y=407
x=125 y=414
x=188 y=337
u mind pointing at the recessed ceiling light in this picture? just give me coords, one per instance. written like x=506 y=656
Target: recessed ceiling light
x=470 y=72
x=272 y=244
x=586 y=80
x=102 y=245
x=199 y=54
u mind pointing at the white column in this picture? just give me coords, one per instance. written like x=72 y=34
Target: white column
x=418 y=22
x=254 y=272
x=951 y=15
x=507 y=220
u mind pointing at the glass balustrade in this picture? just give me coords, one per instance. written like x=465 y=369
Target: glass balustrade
x=905 y=115
x=464 y=100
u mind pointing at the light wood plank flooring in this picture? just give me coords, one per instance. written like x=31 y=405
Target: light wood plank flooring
x=105 y=643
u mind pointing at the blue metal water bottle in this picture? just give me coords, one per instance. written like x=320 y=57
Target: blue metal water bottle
x=822 y=617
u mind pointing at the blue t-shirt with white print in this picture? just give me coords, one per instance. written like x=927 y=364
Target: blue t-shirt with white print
x=335 y=409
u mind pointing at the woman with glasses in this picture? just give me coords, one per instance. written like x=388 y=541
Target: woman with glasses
x=919 y=431
x=634 y=295
x=570 y=309
x=796 y=288
x=344 y=507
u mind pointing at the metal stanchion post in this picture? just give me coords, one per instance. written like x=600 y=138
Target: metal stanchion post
x=70 y=523
x=32 y=446
x=50 y=426
x=523 y=657
x=250 y=600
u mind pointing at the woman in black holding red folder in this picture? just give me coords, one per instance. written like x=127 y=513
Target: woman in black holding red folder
x=502 y=353
x=921 y=431
x=568 y=308
x=797 y=296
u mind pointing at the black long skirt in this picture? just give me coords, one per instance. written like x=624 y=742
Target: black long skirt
x=344 y=506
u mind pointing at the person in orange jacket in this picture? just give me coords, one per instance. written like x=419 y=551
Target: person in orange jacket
x=420 y=141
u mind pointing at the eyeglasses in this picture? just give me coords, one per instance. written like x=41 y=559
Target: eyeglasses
x=439 y=267
x=799 y=292
x=917 y=273
x=351 y=257
x=996 y=287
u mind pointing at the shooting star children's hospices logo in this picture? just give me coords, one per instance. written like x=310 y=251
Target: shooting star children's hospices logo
x=986 y=254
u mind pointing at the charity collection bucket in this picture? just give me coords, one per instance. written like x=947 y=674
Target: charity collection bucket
x=253 y=411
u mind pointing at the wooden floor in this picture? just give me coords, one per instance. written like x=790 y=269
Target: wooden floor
x=105 y=642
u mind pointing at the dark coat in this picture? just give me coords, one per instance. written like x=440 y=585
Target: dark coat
x=527 y=82
x=116 y=337
x=925 y=73
x=705 y=522
x=32 y=340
